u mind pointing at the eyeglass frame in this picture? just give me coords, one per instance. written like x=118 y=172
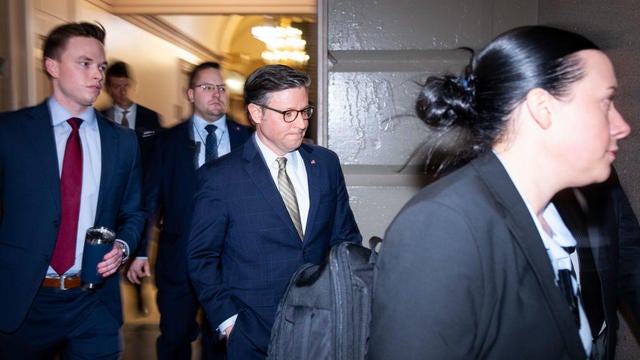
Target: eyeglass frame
x=222 y=88
x=284 y=113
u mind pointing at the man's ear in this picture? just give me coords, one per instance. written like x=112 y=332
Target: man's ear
x=539 y=104
x=51 y=66
x=190 y=95
x=256 y=113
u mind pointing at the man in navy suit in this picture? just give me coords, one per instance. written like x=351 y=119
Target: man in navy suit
x=144 y=121
x=264 y=210
x=65 y=168
x=169 y=190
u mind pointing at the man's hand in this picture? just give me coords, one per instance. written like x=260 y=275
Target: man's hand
x=138 y=270
x=111 y=261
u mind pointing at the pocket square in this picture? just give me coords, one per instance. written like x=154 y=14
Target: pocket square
x=148 y=133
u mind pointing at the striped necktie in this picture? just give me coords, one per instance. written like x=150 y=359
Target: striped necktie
x=289 y=195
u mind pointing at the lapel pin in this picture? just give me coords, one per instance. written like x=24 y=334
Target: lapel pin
x=313 y=162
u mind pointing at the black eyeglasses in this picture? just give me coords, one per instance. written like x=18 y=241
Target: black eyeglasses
x=291 y=115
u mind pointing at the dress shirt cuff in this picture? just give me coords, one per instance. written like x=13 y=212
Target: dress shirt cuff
x=125 y=256
x=225 y=324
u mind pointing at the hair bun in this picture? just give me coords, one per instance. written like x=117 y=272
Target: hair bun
x=447 y=101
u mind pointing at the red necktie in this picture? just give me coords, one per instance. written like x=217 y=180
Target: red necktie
x=70 y=189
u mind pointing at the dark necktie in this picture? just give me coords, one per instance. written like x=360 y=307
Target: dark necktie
x=565 y=282
x=70 y=190
x=125 y=121
x=211 y=143
x=590 y=293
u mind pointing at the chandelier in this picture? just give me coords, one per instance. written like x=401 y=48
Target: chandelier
x=284 y=44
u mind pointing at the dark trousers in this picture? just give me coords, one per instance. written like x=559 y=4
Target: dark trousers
x=73 y=323
x=179 y=327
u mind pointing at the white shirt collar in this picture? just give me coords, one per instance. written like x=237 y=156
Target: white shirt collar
x=59 y=114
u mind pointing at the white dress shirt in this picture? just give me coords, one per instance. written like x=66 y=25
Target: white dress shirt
x=118 y=114
x=91 y=171
x=200 y=136
x=560 y=260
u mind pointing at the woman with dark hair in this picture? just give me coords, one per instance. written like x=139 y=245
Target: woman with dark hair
x=474 y=266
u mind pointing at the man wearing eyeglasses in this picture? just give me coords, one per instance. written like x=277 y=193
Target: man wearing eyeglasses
x=288 y=206
x=169 y=189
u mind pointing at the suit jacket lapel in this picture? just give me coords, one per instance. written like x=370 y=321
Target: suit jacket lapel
x=235 y=136
x=313 y=171
x=518 y=219
x=39 y=131
x=186 y=145
x=109 y=150
x=259 y=173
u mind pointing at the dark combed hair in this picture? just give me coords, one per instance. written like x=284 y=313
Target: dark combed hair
x=467 y=113
x=272 y=78
x=117 y=69
x=56 y=41
x=203 y=66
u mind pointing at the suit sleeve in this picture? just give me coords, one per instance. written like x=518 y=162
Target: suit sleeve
x=205 y=247
x=152 y=203
x=344 y=224
x=428 y=287
x=130 y=215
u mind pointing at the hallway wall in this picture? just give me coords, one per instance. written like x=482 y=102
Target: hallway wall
x=378 y=53
x=155 y=64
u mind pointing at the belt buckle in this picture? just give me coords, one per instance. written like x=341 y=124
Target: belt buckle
x=62 y=278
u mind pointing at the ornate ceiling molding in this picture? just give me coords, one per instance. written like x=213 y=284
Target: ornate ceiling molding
x=170 y=33
x=174 y=7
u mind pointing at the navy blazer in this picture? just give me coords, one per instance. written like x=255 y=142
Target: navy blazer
x=147 y=127
x=30 y=205
x=244 y=248
x=463 y=274
x=168 y=191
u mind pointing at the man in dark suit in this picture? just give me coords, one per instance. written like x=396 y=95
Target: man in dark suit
x=169 y=190
x=65 y=168
x=607 y=233
x=262 y=211
x=145 y=122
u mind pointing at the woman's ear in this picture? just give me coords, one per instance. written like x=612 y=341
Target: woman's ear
x=539 y=104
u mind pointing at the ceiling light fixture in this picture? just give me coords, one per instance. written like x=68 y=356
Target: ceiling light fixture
x=284 y=44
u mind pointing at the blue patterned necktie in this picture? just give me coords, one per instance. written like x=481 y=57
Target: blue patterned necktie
x=211 y=143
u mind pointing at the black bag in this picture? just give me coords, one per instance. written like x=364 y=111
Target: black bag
x=326 y=309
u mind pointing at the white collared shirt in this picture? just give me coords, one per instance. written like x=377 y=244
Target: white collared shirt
x=118 y=114
x=91 y=169
x=297 y=174
x=200 y=136
x=559 y=258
